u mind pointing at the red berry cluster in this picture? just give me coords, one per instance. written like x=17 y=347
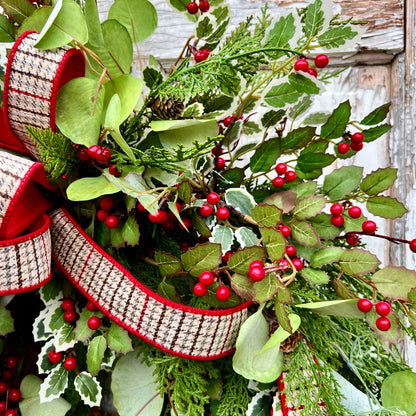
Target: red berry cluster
x=382 y=308
x=205 y=280
x=201 y=55
x=256 y=271
x=321 y=61
x=70 y=315
x=284 y=175
x=222 y=213
x=9 y=394
x=216 y=152
x=193 y=7
x=98 y=154
x=337 y=210
x=354 y=142
x=103 y=214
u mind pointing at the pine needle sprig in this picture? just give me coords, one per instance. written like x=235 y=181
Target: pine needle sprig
x=57 y=152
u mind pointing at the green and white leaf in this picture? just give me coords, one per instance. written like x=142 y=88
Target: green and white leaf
x=54 y=384
x=240 y=199
x=222 y=235
x=64 y=337
x=246 y=237
x=88 y=388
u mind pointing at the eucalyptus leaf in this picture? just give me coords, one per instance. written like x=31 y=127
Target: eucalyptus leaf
x=85 y=189
x=399 y=390
x=345 y=307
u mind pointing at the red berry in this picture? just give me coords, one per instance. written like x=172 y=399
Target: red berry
x=54 y=357
x=298 y=263
x=112 y=221
x=107 y=203
x=365 y=305
x=285 y=230
x=412 y=245
x=68 y=304
x=203 y=6
x=217 y=151
x=290 y=176
x=91 y=307
x=223 y=293
x=226 y=256
x=227 y=121
x=3 y=387
x=15 y=395
x=70 y=316
x=336 y=209
x=352 y=239
x=337 y=220
x=369 y=227
x=11 y=362
x=278 y=182
x=354 y=212
x=383 y=323
x=94 y=323
x=113 y=170
x=383 y=308
x=343 y=148
x=284 y=264
x=206 y=278
x=220 y=163
x=70 y=363
x=291 y=251
x=159 y=218
x=213 y=198
x=205 y=210
x=301 y=65
x=192 y=8
x=200 y=289
x=11 y=412
x=313 y=72
x=141 y=208
x=321 y=61
x=186 y=223
x=256 y=273
x=92 y=151
x=256 y=263
x=201 y=55
x=103 y=155
x=82 y=154
x=357 y=137
x=3 y=406
x=222 y=213
x=281 y=168
x=356 y=146
x=102 y=215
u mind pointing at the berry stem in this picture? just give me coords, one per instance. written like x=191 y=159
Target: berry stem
x=394 y=240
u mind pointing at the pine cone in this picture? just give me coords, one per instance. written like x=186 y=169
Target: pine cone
x=291 y=343
x=167 y=108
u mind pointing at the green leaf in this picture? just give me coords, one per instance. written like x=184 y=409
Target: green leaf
x=54 y=384
x=152 y=77
x=200 y=225
x=345 y=307
x=88 y=388
x=305 y=234
x=393 y=335
x=222 y=235
x=260 y=405
x=265 y=156
x=280 y=95
x=272 y=117
x=274 y=241
x=168 y=292
x=130 y=377
x=358 y=262
x=242 y=285
x=337 y=122
x=18 y=10
x=377 y=115
x=313 y=19
x=51 y=290
x=139 y=17
x=92 y=18
x=399 y=390
x=395 y=282
x=130 y=231
x=323 y=226
x=240 y=199
x=30 y=404
x=168 y=264
x=246 y=237
x=247 y=360
x=6 y=30
x=374 y=133
x=36 y=21
x=317 y=277
x=6 y=321
x=267 y=215
x=201 y=258
x=232 y=177
x=211 y=298
x=240 y=261
x=309 y=207
x=385 y=207
x=336 y=36
x=280 y=334
x=339 y=183
x=118 y=339
x=378 y=181
x=282 y=32
x=298 y=138
x=305 y=189
x=326 y=256
x=85 y=189
x=264 y=290
x=204 y=28
x=316 y=119
x=309 y=162
x=61 y=28
x=82 y=331
x=131 y=183
x=303 y=84
x=95 y=354
x=78 y=116
x=185 y=192
x=342 y=290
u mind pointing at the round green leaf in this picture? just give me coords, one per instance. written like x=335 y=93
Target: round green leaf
x=139 y=17
x=399 y=390
x=345 y=307
x=77 y=116
x=36 y=21
x=85 y=189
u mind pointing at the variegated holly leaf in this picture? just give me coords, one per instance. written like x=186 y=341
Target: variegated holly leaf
x=246 y=237
x=54 y=384
x=222 y=235
x=88 y=388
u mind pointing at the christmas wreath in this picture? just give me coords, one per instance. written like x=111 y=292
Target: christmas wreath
x=171 y=242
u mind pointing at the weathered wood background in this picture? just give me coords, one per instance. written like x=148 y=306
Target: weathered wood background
x=382 y=69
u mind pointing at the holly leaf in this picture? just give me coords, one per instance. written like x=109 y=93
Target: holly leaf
x=337 y=122
x=6 y=321
x=95 y=354
x=6 y=30
x=298 y=138
x=378 y=181
x=326 y=256
x=377 y=115
x=343 y=291
x=260 y=405
x=88 y=388
x=201 y=258
x=395 y=282
x=267 y=215
x=339 y=183
x=130 y=231
x=323 y=226
x=309 y=207
x=168 y=292
x=54 y=384
x=272 y=117
x=305 y=234
x=336 y=36
x=240 y=261
x=265 y=289
x=242 y=285
x=265 y=156
x=82 y=331
x=358 y=262
x=303 y=84
x=374 y=133
x=313 y=162
x=385 y=207
x=280 y=95
x=313 y=19
x=118 y=339
x=274 y=241
x=222 y=235
x=315 y=276
x=282 y=32
x=393 y=335
x=200 y=225
x=168 y=264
